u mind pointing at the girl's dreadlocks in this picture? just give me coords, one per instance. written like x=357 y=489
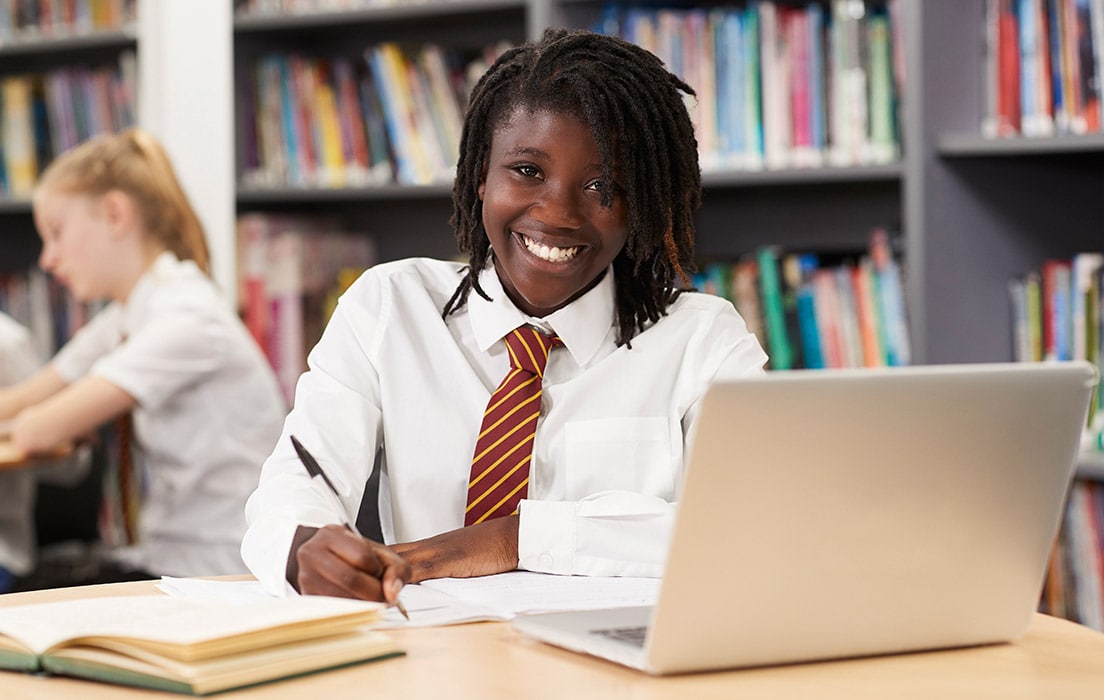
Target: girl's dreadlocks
x=636 y=113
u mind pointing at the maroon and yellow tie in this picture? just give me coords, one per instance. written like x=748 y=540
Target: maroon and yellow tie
x=500 y=467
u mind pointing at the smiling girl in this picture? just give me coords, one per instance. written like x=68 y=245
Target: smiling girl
x=574 y=196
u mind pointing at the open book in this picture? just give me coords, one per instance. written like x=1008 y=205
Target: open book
x=188 y=645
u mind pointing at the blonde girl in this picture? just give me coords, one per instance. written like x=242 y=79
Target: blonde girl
x=116 y=226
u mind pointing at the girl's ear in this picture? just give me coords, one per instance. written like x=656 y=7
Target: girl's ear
x=118 y=209
x=482 y=182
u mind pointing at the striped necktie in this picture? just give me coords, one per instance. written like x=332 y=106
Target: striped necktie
x=500 y=467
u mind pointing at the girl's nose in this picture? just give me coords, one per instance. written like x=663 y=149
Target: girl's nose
x=559 y=207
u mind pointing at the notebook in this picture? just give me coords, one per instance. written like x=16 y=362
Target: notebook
x=834 y=514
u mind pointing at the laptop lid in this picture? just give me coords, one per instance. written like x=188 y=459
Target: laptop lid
x=842 y=513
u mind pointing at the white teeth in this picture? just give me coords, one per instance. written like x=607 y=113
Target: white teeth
x=550 y=254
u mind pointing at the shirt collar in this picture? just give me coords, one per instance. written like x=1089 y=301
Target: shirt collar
x=583 y=325
x=164 y=266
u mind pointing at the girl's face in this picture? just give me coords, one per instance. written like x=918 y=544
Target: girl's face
x=541 y=192
x=77 y=243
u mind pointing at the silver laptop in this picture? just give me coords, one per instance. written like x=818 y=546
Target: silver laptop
x=832 y=514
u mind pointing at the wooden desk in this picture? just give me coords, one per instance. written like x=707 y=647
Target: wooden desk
x=1054 y=661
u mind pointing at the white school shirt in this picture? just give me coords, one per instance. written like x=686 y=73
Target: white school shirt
x=208 y=413
x=391 y=375
x=18 y=361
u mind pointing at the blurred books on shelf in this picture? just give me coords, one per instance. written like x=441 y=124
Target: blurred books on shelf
x=777 y=86
x=45 y=114
x=815 y=310
x=781 y=85
x=331 y=122
x=1056 y=316
x=28 y=20
x=1043 y=67
x=267 y=8
x=290 y=272
x=1074 y=586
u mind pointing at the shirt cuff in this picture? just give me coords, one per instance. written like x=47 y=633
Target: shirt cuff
x=546 y=536
x=265 y=549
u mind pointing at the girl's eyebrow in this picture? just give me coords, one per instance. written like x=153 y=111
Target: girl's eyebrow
x=530 y=151
x=534 y=152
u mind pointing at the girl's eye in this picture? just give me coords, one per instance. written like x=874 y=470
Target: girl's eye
x=603 y=186
x=527 y=170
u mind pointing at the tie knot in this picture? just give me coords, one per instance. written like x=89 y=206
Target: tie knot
x=529 y=349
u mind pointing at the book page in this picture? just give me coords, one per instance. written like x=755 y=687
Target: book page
x=181 y=626
x=427 y=607
x=119 y=663
x=209 y=589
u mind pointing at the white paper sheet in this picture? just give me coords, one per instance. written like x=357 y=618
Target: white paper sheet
x=450 y=601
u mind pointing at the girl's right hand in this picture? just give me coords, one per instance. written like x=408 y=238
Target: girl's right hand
x=336 y=561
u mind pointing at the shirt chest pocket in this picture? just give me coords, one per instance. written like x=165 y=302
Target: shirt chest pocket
x=620 y=454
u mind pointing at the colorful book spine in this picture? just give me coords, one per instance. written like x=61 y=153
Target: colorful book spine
x=18 y=135
x=867 y=314
x=892 y=299
x=1055 y=40
x=753 y=104
x=333 y=157
x=745 y=296
x=382 y=161
x=1088 y=58
x=779 y=350
x=351 y=122
x=817 y=119
x=882 y=137
x=291 y=126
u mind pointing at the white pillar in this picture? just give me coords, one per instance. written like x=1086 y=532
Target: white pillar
x=185 y=98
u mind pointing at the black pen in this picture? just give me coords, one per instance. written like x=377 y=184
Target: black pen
x=315 y=469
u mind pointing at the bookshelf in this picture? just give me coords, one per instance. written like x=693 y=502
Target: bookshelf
x=988 y=209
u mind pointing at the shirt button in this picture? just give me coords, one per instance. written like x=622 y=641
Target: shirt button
x=545 y=562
